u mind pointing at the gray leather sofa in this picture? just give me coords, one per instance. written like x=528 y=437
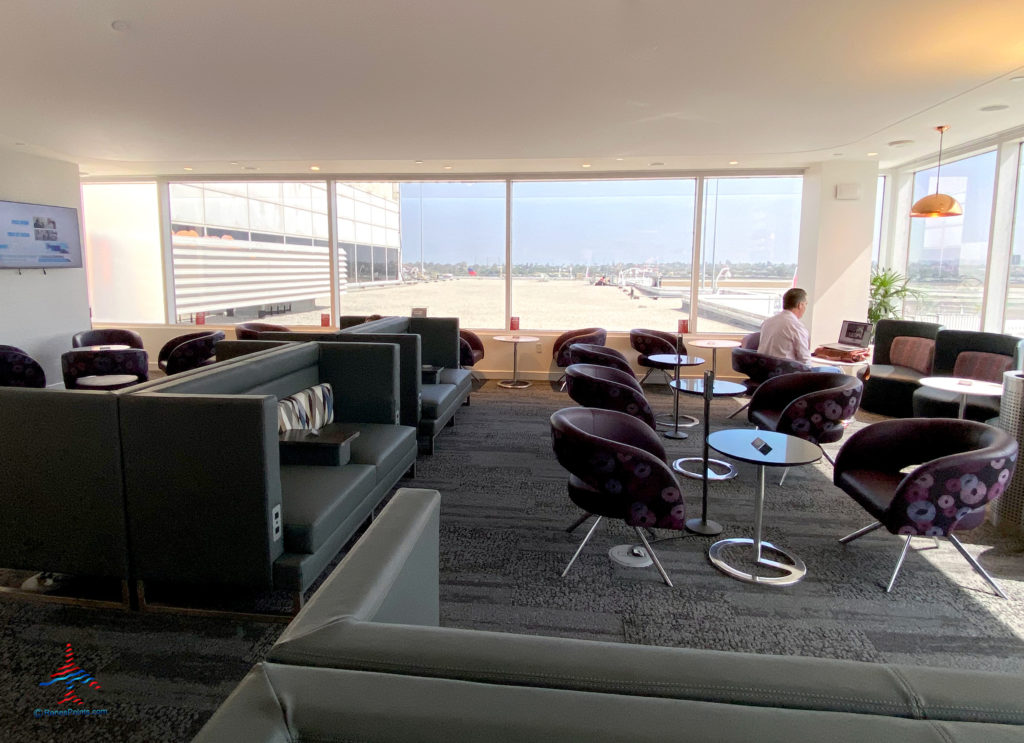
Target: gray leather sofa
x=423 y=341
x=207 y=497
x=904 y=354
x=365 y=660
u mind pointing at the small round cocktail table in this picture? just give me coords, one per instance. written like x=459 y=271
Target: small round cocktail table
x=714 y=344
x=963 y=386
x=515 y=383
x=721 y=470
x=677 y=361
x=765 y=449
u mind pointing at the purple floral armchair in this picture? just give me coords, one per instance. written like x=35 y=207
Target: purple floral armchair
x=189 y=351
x=104 y=369
x=607 y=388
x=589 y=353
x=617 y=469
x=649 y=343
x=18 y=369
x=760 y=367
x=816 y=406
x=560 y=349
x=959 y=466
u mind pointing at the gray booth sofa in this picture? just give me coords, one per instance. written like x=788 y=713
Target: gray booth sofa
x=366 y=660
x=209 y=501
x=427 y=404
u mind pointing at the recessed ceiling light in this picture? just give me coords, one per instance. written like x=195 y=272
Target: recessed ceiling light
x=120 y=25
x=734 y=162
x=84 y=172
x=19 y=144
x=872 y=154
x=656 y=165
x=994 y=107
x=418 y=162
x=447 y=167
x=249 y=167
x=584 y=165
x=837 y=154
x=186 y=168
x=314 y=167
x=619 y=159
x=900 y=142
x=1018 y=79
x=232 y=163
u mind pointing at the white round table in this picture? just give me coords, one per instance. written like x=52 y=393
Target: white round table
x=515 y=383
x=964 y=387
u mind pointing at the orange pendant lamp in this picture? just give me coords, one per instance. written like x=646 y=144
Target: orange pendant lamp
x=937 y=204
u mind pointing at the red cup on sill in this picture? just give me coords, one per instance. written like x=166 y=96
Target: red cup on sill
x=513 y=323
x=325 y=320
x=200 y=318
x=684 y=326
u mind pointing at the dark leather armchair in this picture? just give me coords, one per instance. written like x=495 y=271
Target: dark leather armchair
x=250 y=331
x=617 y=469
x=18 y=369
x=649 y=343
x=589 y=353
x=958 y=467
x=189 y=351
x=904 y=353
x=607 y=388
x=971 y=355
x=471 y=348
x=560 y=349
x=86 y=369
x=107 y=337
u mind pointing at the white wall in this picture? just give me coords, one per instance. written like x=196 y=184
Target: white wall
x=40 y=312
x=835 y=246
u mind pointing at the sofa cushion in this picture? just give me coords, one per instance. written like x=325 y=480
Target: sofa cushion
x=461 y=378
x=379 y=444
x=435 y=399
x=316 y=500
x=311 y=408
x=986 y=367
x=913 y=353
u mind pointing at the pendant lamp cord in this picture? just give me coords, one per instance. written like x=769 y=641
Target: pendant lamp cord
x=938 y=167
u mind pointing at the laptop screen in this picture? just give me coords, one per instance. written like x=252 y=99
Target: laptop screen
x=855 y=333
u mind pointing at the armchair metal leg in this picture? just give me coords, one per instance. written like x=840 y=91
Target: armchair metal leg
x=582 y=545
x=577 y=522
x=829 y=457
x=785 y=471
x=654 y=557
x=651 y=369
x=974 y=564
x=899 y=564
x=747 y=405
x=860 y=532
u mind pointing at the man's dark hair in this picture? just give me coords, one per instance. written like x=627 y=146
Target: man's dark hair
x=792 y=298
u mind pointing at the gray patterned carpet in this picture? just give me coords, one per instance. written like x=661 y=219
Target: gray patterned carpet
x=503 y=546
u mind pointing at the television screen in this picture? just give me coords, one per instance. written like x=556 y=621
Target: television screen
x=37 y=236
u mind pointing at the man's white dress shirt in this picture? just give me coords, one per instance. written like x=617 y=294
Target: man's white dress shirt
x=785 y=336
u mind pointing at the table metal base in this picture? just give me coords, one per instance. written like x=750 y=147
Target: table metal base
x=630 y=556
x=515 y=384
x=792 y=571
x=685 y=421
x=717 y=469
x=704 y=528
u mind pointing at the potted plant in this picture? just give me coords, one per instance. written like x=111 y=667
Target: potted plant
x=889 y=290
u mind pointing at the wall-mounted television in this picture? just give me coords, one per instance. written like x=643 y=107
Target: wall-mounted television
x=38 y=236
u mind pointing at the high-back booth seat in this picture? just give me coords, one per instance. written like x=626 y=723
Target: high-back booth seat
x=189 y=351
x=104 y=369
x=209 y=499
x=595 y=386
x=904 y=353
x=817 y=406
x=759 y=367
x=430 y=341
x=18 y=369
x=61 y=485
x=248 y=331
x=589 y=353
x=107 y=337
x=366 y=660
x=471 y=348
x=926 y=477
x=647 y=343
x=972 y=355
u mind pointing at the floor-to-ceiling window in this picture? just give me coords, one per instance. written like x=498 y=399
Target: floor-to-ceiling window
x=1013 y=318
x=751 y=237
x=947 y=256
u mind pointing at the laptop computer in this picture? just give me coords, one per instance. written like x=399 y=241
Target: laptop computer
x=852 y=335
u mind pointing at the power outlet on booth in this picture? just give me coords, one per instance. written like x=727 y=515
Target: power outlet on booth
x=539 y=348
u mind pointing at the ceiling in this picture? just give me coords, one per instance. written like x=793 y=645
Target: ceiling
x=124 y=87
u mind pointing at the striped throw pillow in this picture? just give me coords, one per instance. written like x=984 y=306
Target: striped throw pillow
x=312 y=408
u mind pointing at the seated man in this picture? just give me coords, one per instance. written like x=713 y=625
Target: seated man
x=783 y=334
